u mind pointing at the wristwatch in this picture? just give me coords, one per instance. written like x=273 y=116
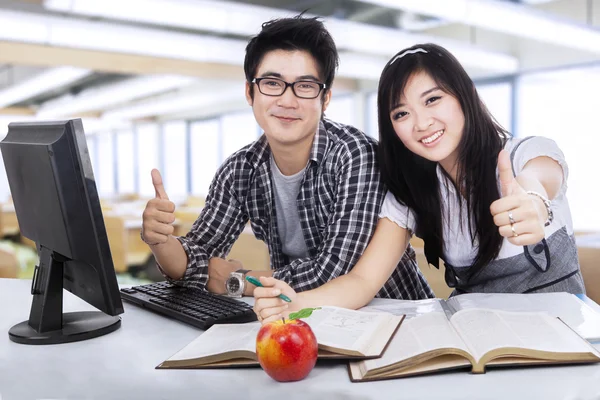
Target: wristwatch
x=236 y=283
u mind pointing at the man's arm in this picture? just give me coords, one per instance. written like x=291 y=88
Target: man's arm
x=349 y=228
x=190 y=260
x=157 y=228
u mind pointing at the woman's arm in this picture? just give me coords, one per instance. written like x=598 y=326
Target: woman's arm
x=353 y=290
x=543 y=175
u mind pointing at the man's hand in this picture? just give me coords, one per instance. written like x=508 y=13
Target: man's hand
x=159 y=214
x=519 y=216
x=218 y=272
x=267 y=306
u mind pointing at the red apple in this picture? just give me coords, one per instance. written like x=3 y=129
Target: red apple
x=286 y=349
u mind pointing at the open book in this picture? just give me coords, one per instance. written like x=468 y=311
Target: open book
x=475 y=338
x=341 y=333
x=569 y=308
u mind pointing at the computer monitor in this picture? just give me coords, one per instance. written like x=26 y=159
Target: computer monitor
x=57 y=206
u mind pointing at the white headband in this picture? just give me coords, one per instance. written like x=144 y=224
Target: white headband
x=417 y=50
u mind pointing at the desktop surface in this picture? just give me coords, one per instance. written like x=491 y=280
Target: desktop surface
x=121 y=365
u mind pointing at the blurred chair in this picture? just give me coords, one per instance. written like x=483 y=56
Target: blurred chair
x=9 y=265
x=195 y=201
x=10 y=225
x=117 y=240
x=434 y=276
x=251 y=252
x=28 y=242
x=588 y=248
x=126 y=246
x=125 y=197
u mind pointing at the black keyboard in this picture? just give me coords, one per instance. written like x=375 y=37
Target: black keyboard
x=195 y=307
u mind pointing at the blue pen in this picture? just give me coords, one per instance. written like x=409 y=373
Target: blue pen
x=256 y=282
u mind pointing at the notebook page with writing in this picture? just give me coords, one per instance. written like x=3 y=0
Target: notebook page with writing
x=346 y=329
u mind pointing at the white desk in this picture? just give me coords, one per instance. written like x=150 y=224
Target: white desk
x=121 y=366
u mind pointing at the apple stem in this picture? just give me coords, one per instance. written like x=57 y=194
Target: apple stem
x=283 y=319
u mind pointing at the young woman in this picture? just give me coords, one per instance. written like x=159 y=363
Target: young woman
x=492 y=207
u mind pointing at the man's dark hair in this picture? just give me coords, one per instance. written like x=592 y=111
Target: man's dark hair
x=296 y=33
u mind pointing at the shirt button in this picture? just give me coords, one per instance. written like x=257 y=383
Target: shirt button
x=538 y=248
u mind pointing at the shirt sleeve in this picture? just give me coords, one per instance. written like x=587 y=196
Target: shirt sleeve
x=349 y=227
x=539 y=146
x=215 y=231
x=398 y=213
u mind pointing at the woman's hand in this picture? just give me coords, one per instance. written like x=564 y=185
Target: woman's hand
x=520 y=217
x=267 y=306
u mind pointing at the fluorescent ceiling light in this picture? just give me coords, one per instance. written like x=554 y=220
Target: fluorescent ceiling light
x=111 y=95
x=212 y=93
x=91 y=35
x=214 y=16
x=243 y=19
x=41 y=83
x=505 y=17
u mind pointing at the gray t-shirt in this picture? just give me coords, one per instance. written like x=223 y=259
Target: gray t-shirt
x=286 y=189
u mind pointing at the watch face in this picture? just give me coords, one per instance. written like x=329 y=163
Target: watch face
x=233 y=285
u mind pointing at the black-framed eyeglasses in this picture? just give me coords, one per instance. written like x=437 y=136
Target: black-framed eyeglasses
x=277 y=87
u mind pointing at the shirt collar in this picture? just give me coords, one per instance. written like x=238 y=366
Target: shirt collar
x=259 y=151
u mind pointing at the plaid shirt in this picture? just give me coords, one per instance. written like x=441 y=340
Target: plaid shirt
x=338 y=205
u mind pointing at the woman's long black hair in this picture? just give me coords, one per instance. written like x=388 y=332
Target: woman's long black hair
x=413 y=179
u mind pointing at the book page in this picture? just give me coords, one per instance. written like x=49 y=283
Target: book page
x=568 y=307
x=416 y=336
x=485 y=330
x=220 y=339
x=410 y=308
x=343 y=328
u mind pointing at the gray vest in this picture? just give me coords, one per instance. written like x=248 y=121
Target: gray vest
x=551 y=265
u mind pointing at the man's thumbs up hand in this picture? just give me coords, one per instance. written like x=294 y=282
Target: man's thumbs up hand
x=516 y=214
x=159 y=188
x=159 y=214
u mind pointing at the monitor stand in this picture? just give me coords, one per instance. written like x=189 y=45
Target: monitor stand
x=47 y=324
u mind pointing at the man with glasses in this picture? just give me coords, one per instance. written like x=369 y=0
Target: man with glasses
x=310 y=187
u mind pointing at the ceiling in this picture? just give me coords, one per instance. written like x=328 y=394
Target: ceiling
x=127 y=60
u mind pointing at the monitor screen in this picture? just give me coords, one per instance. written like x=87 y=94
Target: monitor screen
x=57 y=206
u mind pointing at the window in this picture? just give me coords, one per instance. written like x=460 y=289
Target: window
x=498 y=99
x=237 y=130
x=125 y=162
x=561 y=105
x=204 y=154
x=372 y=117
x=341 y=109
x=174 y=148
x=147 y=157
x=105 y=171
x=91 y=145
